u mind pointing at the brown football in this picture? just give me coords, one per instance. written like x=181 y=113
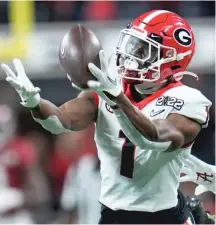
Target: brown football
x=79 y=46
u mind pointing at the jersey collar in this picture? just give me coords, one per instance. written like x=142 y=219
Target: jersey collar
x=141 y=104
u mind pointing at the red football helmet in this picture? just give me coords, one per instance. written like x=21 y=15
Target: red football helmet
x=156 y=45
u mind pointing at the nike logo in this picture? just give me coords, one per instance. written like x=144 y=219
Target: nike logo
x=154 y=35
x=112 y=81
x=155 y=113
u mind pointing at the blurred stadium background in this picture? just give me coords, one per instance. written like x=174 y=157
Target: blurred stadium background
x=33 y=163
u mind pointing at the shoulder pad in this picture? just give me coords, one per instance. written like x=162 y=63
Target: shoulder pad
x=190 y=103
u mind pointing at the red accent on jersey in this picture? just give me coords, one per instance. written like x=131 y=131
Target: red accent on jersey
x=96 y=98
x=187 y=223
x=188 y=145
x=150 y=98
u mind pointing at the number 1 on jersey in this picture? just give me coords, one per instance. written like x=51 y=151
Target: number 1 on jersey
x=127 y=158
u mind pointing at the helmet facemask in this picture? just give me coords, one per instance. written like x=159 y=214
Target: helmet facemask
x=142 y=55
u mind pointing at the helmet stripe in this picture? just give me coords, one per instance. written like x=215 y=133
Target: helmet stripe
x=150 y=17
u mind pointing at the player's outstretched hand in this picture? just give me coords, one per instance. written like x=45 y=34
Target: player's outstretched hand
x=107 y=80
x=100 y=93
x=200 y=173
x=28 y=93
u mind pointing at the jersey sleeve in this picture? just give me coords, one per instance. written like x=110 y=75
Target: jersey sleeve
x=193 y=105
x=95 y=97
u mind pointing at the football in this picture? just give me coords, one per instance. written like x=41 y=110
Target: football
x=78 y=47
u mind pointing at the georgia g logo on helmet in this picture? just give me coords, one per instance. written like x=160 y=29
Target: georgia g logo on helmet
x=183 y=37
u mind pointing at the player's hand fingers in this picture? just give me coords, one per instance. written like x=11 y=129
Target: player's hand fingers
x=8 y=71
x=103 y=61
x=200 y=189
x=19 y=67
x=95 y=71
x=186 y=178
x=93 y=84
x=13 y=82
x=34 y=91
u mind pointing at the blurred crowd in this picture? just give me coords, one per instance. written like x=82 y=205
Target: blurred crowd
x=46 y=178
x=33 y=166
x=113 y=10
x=47 y=11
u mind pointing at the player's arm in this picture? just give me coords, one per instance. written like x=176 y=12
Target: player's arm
x=73 y=115
x=174 y=132
x=162 y=135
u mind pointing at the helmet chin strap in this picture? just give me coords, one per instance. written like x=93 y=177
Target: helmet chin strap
x=149 y=86
x=146 y=92
x=144 y=88
x=178 y=76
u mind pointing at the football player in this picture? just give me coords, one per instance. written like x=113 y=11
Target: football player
x=146 y=119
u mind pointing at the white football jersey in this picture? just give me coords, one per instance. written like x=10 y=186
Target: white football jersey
x=81 y=189
x=137 y=179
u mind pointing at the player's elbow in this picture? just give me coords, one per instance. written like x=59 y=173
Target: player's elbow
x=177 y=141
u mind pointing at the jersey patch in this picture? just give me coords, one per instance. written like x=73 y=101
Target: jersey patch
x=170 y=101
